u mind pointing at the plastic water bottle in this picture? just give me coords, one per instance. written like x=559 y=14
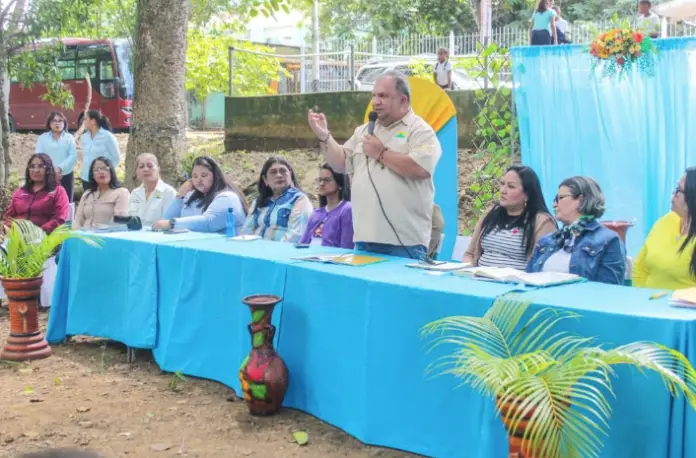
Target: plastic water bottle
x=231 y=228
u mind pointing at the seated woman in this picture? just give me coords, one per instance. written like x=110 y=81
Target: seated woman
x=668 y=257
x=332 y=222
x=282 y=210
x=583 y=247
x=152 y=198
x=41 y=200
x=202 y=202
x=104 y=198
x=506 y=236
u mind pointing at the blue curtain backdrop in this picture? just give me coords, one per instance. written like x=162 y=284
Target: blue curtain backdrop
x=635 y=136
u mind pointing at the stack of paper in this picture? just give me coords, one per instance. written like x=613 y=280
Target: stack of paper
x=510 y=275
x=684 y=298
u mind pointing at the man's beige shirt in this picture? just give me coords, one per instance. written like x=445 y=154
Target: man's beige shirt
x=408 y=203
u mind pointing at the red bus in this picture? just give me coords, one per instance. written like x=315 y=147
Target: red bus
x=110 y=67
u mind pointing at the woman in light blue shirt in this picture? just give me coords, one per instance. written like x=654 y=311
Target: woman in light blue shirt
x=202 y=202
x=542 y=27
x=96 y=142
x=59 y=145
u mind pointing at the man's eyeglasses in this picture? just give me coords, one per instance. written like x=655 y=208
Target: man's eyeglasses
x=323 y=180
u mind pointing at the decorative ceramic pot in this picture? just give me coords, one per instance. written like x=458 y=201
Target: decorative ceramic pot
x=518 y=447
x=263 y=374
x=26 y=342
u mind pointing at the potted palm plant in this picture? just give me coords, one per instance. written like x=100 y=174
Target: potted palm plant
x=549 y=387
x=22 y=261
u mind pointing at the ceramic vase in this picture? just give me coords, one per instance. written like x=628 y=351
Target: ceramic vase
x=25 y=342
x=263 y=374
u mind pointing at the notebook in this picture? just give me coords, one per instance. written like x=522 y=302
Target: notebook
x=510 y=275
x=684 y=298
x=343 y=259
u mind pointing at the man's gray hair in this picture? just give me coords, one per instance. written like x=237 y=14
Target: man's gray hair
x=593 y=197
x=400 y=82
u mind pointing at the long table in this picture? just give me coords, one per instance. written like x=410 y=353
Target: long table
x=350 y=336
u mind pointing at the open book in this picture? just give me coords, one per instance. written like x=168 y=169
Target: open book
x=684 y=298
x=510 y=275
x=441 y=266
x=347 y=259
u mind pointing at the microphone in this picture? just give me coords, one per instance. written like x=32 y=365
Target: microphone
x=371 y=125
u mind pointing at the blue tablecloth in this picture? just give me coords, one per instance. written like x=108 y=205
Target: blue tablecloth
x=350 y=338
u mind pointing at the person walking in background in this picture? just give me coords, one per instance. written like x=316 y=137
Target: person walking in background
x=561 y=27
x=60 y=146
x=97 y=141
x=542 y=27
x=648 y=22
x=443 y=70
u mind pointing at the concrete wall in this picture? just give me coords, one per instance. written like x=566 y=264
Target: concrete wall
x=269 y=123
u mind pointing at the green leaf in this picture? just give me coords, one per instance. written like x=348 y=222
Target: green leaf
x=301 y=437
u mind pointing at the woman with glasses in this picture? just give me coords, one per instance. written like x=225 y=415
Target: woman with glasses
x=202 y=203
x=332 y=222
x=59 y=145
x=282 y=210
x=506 y=236
x=103 y=199
x=667 y=259
x=583 y=246
x=41 y=200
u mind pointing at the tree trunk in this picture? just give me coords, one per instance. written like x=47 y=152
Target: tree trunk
x=159 y=105
x=5 y=160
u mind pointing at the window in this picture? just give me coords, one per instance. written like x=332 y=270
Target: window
x=67 y=69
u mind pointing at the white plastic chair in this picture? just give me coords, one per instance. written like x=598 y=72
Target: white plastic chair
x=71 y=211
x=629 y=268
x=460 y=246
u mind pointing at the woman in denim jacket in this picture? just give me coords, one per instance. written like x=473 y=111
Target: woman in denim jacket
x=583 y=246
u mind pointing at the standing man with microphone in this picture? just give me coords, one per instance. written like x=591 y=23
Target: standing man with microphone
x=391 y=162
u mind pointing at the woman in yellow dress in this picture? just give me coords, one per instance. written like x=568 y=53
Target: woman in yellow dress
x=668 y=257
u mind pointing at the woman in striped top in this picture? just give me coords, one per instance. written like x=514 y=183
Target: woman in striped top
x=506 y=236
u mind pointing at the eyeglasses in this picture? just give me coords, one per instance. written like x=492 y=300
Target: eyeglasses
x=37 y=167
x=324 y=180
x=678 y=190
x=57 y=121
x=100 y=169
x=280 y=171
x=559 y=198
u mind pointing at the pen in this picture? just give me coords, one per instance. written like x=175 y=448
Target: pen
x=658 y=295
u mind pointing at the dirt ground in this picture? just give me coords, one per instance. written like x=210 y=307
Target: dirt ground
x=86 y=396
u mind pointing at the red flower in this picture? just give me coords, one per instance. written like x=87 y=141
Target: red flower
x=638 y=37
x=620 y=61
x=515 y=231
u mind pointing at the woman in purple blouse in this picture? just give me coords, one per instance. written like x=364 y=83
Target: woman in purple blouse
x=332 y=222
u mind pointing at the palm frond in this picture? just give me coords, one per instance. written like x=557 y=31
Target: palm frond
x=28 y=248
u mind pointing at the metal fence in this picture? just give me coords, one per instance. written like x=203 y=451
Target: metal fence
x=344 y=65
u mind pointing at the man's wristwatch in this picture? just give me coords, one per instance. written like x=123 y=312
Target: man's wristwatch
x=172 y=222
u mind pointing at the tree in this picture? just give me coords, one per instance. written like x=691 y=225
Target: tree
x=159 y=106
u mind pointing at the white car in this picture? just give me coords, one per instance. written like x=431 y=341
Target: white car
x=368 y=73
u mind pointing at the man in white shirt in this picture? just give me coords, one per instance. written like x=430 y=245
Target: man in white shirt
x=648 y=22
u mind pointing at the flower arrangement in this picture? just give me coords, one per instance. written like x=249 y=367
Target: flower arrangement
x=619 y=49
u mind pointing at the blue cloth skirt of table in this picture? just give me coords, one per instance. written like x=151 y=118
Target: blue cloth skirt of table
x=350 y=337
